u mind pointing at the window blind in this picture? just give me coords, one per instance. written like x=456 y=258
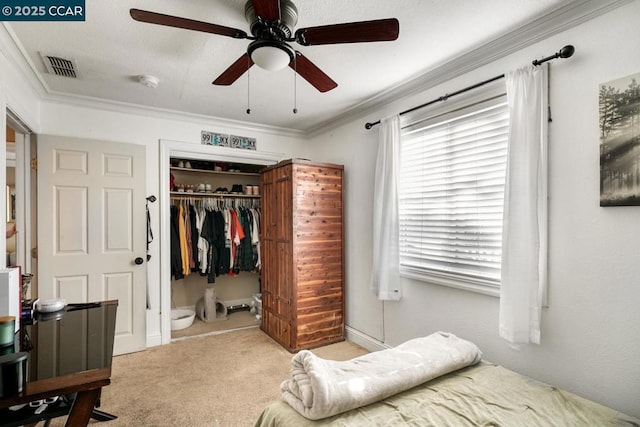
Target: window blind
x=451 y=192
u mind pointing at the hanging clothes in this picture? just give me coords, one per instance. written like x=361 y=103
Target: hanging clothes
x=183 y=241
x=187 y=229
x=203 y=244
x=214 y=237
x=176 y=257
x=245 y=249
x=212 y=256
x=222 y=244
x=237 y=235
x=195 y=236
x=255 y=238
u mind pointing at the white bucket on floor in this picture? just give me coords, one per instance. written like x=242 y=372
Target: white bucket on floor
x=181 y=319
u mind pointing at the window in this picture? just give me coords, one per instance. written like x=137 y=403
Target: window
x=451 y=192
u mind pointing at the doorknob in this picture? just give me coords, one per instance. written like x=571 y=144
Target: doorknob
x=138 y=261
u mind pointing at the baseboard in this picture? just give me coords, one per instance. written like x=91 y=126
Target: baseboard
x=364 y=340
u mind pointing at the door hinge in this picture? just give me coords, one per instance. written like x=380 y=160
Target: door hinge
x=34 y=164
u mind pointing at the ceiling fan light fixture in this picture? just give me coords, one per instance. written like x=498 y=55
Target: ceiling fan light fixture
x=272 y=23
x=271 y=55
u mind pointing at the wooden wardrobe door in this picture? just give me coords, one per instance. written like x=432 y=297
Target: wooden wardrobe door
x=303 y=272
x=318 y=236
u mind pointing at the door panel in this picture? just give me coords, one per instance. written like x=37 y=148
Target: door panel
x=70 y=213
x=118 y=208
x=95 y=193
x=73 y=288
x=120 y=286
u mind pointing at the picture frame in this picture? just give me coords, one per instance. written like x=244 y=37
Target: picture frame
x=619 y=123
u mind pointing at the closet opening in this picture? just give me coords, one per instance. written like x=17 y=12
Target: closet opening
x=210 y=284
x=215 y=218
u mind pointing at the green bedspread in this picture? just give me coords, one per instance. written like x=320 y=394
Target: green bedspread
x=480 y=395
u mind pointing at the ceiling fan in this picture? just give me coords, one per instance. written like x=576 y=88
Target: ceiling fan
x=271 y=25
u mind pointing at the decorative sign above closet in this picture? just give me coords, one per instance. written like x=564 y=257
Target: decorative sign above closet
x=225 y=140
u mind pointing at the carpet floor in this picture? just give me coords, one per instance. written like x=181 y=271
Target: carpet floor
x=223 y=379
x=239 y=319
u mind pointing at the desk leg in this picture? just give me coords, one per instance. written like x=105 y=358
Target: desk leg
x=82 y=407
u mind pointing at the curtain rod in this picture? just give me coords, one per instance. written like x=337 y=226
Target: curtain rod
x=565 y=52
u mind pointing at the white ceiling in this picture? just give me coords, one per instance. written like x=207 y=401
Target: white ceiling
x=111 y=50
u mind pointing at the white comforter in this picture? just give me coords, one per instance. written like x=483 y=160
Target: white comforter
x=320 y=388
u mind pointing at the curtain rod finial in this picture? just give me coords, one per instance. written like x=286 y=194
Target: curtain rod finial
x=369 y=125
x=567 y=51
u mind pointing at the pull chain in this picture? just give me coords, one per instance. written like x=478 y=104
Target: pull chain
x=295 y=80
x=248 y=85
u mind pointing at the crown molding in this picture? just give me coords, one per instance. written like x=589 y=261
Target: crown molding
x=23 y=83
x=20 y=60
x=10 y=43
x=167 y=114
x=557 y=21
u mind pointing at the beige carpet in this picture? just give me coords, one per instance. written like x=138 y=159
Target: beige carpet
x=216 y=380
x=239 y=319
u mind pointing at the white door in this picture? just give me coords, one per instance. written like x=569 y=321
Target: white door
x=92 y=229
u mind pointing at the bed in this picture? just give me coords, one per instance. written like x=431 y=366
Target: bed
x=482 y=394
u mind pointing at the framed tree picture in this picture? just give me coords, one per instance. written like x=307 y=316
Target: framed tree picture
x=619 y=108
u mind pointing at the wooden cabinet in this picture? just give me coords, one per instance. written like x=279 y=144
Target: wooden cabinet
x=302 y=254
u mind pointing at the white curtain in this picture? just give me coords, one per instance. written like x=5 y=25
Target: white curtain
x=385 y=276
x=524 y=233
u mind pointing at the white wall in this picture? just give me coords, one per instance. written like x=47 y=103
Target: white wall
x=590 y=343
x=83 y=121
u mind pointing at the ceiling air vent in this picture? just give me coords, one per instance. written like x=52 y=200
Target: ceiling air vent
x=60 y=66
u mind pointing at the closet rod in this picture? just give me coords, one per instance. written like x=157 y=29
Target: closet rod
x=565 y=52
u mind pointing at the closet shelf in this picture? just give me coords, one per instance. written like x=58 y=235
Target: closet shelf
x=214 y=172
x=212 y=195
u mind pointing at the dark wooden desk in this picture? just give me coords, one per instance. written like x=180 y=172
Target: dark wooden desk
x=69 y=352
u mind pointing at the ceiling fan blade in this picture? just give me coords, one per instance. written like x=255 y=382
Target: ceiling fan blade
x=234 y=71
x=269 y=10
x=355 y=32
x=311 y=73
x=188 y=24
